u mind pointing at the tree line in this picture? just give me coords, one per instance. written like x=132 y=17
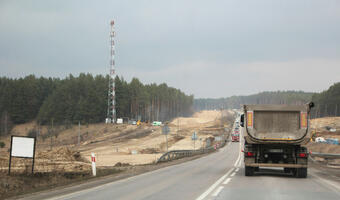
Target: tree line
x=327 y=103
x=234 y=102
x=84 y=98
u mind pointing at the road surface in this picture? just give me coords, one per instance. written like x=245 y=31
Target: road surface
x=217 y=176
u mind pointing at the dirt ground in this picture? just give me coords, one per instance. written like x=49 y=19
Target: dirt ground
x=318 y=127
x=112 y=144
x=59 y=158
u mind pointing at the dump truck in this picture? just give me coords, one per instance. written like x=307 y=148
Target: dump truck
x=274 y=136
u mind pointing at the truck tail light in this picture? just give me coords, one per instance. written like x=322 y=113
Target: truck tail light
x=302 y=155
x=249 y=154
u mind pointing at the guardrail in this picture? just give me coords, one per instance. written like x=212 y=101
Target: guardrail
x=176 y=154
x=325 y=155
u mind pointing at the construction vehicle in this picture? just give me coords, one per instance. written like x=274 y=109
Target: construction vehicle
x=273 y=137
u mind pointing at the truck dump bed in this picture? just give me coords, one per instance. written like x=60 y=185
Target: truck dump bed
x=276 y=123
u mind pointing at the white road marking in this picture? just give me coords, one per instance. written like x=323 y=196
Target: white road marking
x=233 y=174
x=334 y=185
x=217 y=191
x=211 y=188
x=238 y=159
x=239 y=163
x=237 y=169
x=226 y=181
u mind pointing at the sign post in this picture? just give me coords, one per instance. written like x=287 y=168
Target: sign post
x=93 y=160
x=22 y=147
x=194 y=138
x=166 y=131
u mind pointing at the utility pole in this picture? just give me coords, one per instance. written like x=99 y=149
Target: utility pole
x=52 y=132
x=78 y=133
x=318 y=112
x=38 y=130
x=6 y=123
x=221 y=116
x=166 y=131
x=177 y=125
x=336 y=110
x=166 y=139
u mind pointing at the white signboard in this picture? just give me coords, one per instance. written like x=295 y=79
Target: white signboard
x=22 y=147
x=119 y=120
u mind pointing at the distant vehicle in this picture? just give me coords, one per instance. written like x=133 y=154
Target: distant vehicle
x=235 y=137
x=274 y=135
x=320 y=140
x=132 y=122
x=119 y=120
x=156 y=123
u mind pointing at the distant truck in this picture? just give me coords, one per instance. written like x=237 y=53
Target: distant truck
x=273 y=137
x=235 y=136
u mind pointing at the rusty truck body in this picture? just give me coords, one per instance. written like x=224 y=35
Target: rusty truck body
x=274 y=136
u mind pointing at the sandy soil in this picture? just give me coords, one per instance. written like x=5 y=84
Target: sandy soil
x=112 y=144
x=321 y=123
x=318 y=127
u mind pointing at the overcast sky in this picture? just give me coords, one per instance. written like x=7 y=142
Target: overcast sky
x=206 y=48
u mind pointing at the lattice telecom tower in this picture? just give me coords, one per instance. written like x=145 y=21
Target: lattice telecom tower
x=111 y=104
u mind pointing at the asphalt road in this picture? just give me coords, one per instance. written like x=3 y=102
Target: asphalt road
x=183 y=181
x=217 y=176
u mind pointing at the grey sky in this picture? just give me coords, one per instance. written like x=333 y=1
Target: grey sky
x=206 y=48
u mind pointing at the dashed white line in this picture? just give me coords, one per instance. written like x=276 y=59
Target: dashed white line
x=237 y=169
x=211 y=188
x=226 y=181
x=233 y=174
x=217 y=191
x=218 y=182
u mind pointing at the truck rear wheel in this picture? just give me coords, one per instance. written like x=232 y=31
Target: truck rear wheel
x=287 y=170
x=249 y=171
x=301 y=172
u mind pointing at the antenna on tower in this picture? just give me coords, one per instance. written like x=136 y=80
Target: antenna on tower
x=111 y=104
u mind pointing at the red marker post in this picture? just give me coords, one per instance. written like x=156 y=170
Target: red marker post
x=93 y=160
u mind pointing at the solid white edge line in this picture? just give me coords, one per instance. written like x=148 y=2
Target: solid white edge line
x=211 y=188
x=334 y=185
x=226 y=181
x=238 y=159
x=217 y=191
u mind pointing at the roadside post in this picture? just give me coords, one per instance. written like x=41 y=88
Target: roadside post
x=166 y=131
x=194 y=138
x=93 y=160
